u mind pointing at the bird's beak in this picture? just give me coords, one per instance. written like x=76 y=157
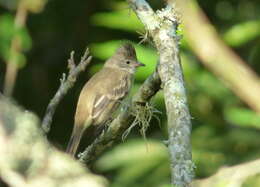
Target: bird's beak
x=138 y=64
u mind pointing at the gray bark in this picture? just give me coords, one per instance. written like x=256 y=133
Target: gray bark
x=162 y=28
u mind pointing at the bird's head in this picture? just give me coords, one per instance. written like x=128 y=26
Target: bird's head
x=125 y=59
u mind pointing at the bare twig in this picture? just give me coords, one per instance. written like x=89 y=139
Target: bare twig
x=233 y=176
x=123 y=121
x=11 y=64
x=162 y=28
x=66 y=84
x=220 y=59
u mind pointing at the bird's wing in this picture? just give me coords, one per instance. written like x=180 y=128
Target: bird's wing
x=113 y=95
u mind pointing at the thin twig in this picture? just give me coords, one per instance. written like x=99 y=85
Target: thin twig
x=11 y=64
x=122 y=122
x=162 y=27
x=65 y=85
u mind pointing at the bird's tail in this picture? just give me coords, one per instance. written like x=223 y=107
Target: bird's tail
x=74 y=141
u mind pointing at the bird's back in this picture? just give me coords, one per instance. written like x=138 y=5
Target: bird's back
x=115 y=84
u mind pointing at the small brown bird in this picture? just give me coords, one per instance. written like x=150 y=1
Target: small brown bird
x=102 y=94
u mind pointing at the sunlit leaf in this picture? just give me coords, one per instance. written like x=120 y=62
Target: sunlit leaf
x=252 y=181
x=135 y=160
x=25 y=38
x=6 y=34
x=242 y=117
x=242 y=33
x=123 y=20
x=137 y=170
x=131 y=152
x=18 y=58
x=9 y=33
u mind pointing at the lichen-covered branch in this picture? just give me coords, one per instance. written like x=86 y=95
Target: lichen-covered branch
x=123 y=121
x=162 y=28
x=66 y=84
x=230 y=176
x=28 y=160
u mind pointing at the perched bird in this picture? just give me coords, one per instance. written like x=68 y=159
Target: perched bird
x=102 y=94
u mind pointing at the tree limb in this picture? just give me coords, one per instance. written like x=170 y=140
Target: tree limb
x=27 y=158
x=65 y=85
x=162 y=28
x=233 y=176
x=220 y=59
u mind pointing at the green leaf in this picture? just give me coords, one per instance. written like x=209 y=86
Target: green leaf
x=25 y=38
x=18 y=58
x=8 y=33
x=136 y=160
x=242 y=117
x=212 y=86
x=242 y=33
x=124 y=20
x=131 y=152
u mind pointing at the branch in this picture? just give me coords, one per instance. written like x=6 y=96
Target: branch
x=11 y=64
x=220 y=59
x=162 y=28
x=28 y=160
x=65 y=85
x=123 y=121
x=230 y=176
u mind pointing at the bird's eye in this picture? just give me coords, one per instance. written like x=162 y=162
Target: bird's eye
x=127 y=62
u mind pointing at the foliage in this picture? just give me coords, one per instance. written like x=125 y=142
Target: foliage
x=7 y=32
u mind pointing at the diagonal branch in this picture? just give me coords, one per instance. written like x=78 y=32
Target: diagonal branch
x=66 y=84
x=230 y=176
x=123 y=121
x=162 y=28
x=220 y=59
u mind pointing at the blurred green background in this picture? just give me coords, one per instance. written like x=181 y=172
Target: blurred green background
x=225 y=131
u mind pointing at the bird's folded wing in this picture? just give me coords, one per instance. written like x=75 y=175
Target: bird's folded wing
x=113 y=95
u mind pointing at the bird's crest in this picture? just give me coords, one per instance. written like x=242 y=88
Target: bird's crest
x=127 y=50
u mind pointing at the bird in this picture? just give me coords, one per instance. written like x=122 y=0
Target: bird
x=103 y=93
